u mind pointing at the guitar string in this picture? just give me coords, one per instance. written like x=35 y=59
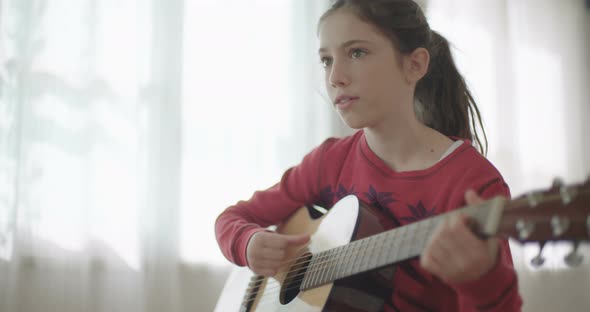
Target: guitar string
x=402 y=239
x=426 y=225
x=323 y=256
x=271 y=291
x=514 y=202
x=346 y=253
x=275 y=288
x=288 y=261
x=329 y=258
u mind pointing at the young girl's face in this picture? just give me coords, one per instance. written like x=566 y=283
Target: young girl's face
x=363 y=71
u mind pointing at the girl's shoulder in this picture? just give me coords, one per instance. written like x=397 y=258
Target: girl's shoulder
x=475 y=161
x=470 y=165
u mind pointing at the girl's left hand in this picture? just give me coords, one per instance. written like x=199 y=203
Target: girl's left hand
x=454 y=254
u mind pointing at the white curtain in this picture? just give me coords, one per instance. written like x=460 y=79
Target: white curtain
x=528 y=61
x=126 y=126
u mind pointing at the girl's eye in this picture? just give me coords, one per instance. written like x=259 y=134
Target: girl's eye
x=326 y=61
x=356 y=53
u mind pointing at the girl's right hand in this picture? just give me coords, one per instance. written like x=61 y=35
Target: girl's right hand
x=267 y=251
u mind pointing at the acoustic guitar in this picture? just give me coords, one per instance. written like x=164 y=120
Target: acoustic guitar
x=349 y=262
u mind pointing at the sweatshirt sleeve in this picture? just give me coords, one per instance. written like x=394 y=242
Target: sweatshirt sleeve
x=497 y=290
x=298 y=186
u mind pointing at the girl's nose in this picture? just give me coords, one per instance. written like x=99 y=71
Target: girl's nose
x=338 y=76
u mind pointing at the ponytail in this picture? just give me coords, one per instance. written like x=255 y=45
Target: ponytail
x=443 y=101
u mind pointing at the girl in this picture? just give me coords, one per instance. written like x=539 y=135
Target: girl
x=393 y=78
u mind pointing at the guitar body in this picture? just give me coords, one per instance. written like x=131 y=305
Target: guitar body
x=347 y=221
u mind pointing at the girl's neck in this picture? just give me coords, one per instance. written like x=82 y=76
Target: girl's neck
x=407 y=146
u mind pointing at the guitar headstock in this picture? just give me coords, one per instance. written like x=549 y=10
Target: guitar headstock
x=561 y=213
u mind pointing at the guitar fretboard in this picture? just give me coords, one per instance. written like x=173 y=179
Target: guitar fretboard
x=389 y=247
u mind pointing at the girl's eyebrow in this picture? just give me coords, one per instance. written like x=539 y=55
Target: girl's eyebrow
x=345 y=44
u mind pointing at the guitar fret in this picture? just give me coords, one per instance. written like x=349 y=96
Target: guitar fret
x=307 y=278
x=369 y=263
x=355 y=255
x=329 y=265
x=378 y=251
x=404 y=243
x=313 y=267
x=374 y=261
x=352 y=257
x=413 y=238
x=374 y=253
x=431 y=226
x=321 y=268
x=309 y=274
x=335 y=266
x=390 y=243
x=412 y=243
x=414 y=228
x=316 y=271
x=362 y=258
x=424 y=239
x=340 y=263
x=345 y=259
x=383 y=250
x=394 y=237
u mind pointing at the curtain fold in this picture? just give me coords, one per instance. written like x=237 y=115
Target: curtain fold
x=127 y=126
x=527 y=64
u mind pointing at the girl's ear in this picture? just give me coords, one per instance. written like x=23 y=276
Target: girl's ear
x=416 y=65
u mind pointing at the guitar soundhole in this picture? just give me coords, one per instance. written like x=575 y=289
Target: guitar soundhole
x=292 y=283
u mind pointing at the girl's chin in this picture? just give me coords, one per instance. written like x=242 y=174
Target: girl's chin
x=352 y=122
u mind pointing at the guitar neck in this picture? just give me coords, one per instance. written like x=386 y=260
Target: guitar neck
x=392 y=246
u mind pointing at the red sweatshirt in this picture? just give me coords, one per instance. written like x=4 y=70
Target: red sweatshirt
x=340 y=167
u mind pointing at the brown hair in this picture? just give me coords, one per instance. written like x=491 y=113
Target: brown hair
x=443 y=101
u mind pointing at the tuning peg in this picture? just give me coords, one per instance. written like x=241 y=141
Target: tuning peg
x=525 y=228
x=559 y=225
x=573 y=259
x=534 y=198
x=538 y=260
x=567 y=192
x=556 y=183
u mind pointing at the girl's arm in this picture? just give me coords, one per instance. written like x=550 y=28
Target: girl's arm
x=298 y=187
